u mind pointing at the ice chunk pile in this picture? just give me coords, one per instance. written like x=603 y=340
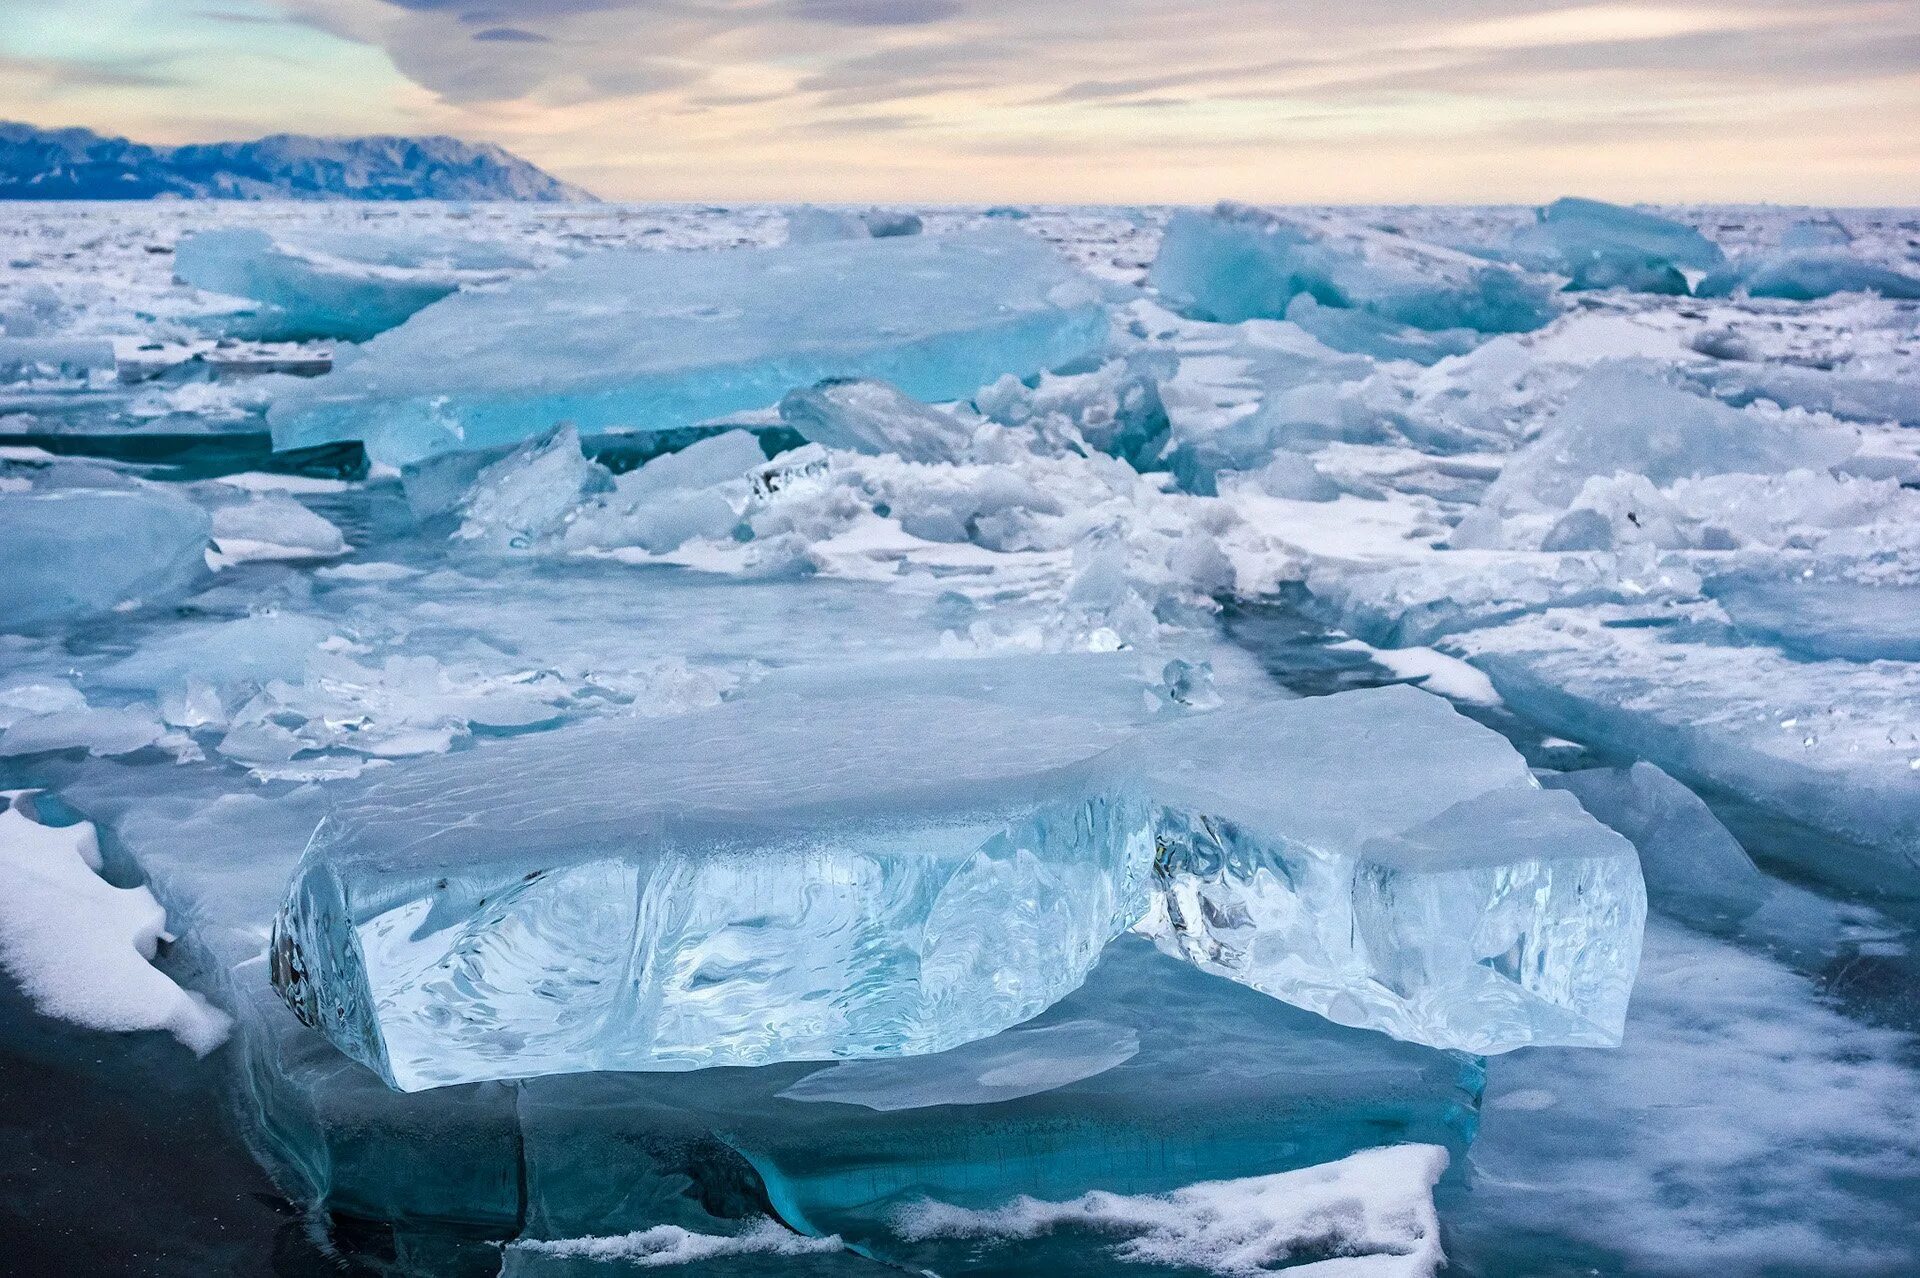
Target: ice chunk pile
x=1600 y=245
x=1240 y=263
x=77 y=552
x=333 y=284
x=658 y=341
x=873 y=417
x=801 y=876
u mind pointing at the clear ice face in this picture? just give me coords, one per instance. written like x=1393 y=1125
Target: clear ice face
x=1413 y=880
x=797 y=876
x=1238 y=263
x=655 y=341
x=787 y=877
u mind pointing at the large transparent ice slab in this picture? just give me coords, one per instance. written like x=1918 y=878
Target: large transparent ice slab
x=332 y=285
x=1238 y=263
x=810 y=872
x=1380 y=859
x=658 y=341
x=816 y=871
x=72 y=553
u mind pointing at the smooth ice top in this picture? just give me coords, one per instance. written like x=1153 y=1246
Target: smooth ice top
x=661 y=340
x=912 y=857
x=873 y=866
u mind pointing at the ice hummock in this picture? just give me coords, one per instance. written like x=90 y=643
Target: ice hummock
x=1238 y=263
x=655 y=341
x=1807 y=274
x=71 y=553
x=338 y=284
x=800 y=875
x=1600 y=245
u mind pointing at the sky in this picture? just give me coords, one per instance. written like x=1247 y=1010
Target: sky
x=1082 y=101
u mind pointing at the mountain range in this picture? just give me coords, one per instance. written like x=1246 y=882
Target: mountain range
x=78 y=164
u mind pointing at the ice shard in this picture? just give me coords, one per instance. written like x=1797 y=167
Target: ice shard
x=73 y=553
x=873 y=417
x=332 y=285
x=1380 y=859
x=1238 y=263
x=657 y=341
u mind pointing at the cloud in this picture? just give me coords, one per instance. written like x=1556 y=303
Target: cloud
x=511 y=35
x=876 y=13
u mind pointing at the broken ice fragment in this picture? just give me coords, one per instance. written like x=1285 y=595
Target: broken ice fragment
x=1238 y=263
x=1380 y=859
x=784 y=877
x=318 y=284
x=1602 y=245
x=872 y=417
x=657 y=340
x=1694 y=868
x=73 y=553
x=1805 y=275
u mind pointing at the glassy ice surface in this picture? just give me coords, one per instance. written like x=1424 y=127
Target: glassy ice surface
x=1420 y=884
x=1712 y=581
x=1239 y=262
x=1804 y=275
x=813 y=871
x=661 y=340
x=340 y=285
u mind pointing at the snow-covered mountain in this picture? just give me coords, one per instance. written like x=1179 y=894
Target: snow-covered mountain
x=78 y=164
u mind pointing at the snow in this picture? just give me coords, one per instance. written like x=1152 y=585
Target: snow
x=1368 y=1214
x=665 y=1245
x=80 y=948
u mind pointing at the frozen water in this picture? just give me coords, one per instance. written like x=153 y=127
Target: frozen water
x=1435 y=893
x=873 y=417
x=791 y=876
x=794 y=877
x=1714 y=572
x=75 y=553
x=1694 y=868
x=1600 y=245
x=1238 y=263
x=339 y=285
x=1804 y=275
x=656 y=341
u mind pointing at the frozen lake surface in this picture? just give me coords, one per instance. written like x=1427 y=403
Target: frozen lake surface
x=807 y=753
